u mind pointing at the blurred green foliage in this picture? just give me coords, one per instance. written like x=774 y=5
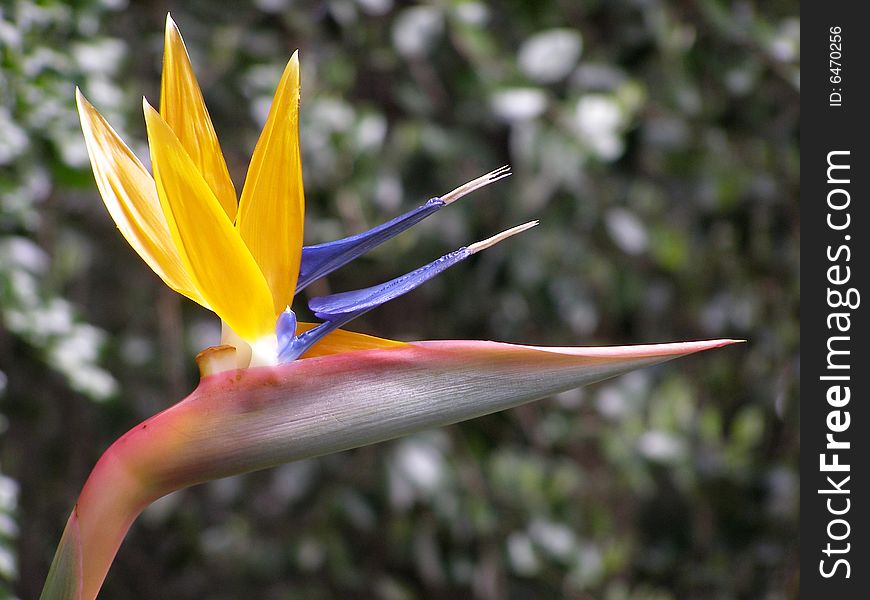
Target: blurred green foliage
x=657 y=143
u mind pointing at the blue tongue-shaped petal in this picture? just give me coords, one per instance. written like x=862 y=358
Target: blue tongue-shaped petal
x=337 y=306
x=321 y=259
x=338 y=309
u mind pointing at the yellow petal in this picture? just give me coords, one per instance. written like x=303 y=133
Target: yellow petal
x=217 y=259
x=183 y=108
x=272 y=206
x=130 y=195
x=344 y=341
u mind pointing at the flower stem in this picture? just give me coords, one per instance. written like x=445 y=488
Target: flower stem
x=109 y=502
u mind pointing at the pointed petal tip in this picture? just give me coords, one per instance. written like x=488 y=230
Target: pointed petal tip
x=171 y=33
x=171 y=30
x=82 y=105
x=87 y=112
x=151 y=113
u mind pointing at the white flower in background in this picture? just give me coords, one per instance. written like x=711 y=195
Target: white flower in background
x=519 y=104
x=550 y=56
x=416 y=29
x=627 y=231
x=599 y=121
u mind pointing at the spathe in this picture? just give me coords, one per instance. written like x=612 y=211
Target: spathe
x=238 y=421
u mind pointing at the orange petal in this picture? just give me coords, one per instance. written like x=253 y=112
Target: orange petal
x=183 y=108
x=130 y=195
x=217 y=259
x=272 y=206
x=344 y=341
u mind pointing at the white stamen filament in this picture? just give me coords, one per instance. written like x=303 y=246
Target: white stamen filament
x=483 y=245
x=476 y=184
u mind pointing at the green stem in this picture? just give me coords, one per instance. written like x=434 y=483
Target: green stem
x=109 y=502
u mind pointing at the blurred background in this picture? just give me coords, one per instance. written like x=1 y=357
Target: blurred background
x=656 y=142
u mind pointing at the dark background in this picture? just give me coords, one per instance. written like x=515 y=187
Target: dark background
x=657 y=142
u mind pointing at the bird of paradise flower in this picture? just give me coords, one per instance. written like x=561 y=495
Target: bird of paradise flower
x=276 y=390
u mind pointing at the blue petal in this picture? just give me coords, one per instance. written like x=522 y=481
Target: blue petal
x=336 y=306
x=338 y=309
x=286 y=327
x=322 y=259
